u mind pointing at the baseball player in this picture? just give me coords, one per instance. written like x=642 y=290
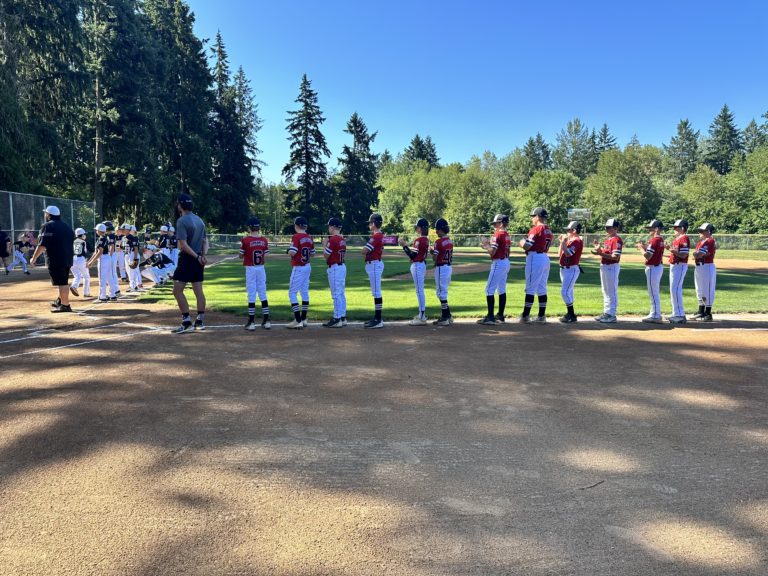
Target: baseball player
x=678 y=267
x=112 y=239
x=103 y=253
x=334 y=252
x=253 y=250
x=418 y=255
x=131 y=256
x=157 y=267
x=536 y=245
x=120 y=234
x=162 y=241
x=173 y=245
x=498 y=250
x=374 y=266
x=79 y=265
x=18 y=254
x=610 y=258
x=571 y=247
x=705 y=273
x=5 y=250
x=442 y=254
x=301 y=251
x=135 y=234
x=653 y=252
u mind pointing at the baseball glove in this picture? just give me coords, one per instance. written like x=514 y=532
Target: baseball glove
x=133 y=265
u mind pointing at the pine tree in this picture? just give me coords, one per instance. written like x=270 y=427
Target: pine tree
x=248 y=117
x=308 y=147
x=605 y=140
x=385 y=159
x=754 y=137
x=725 y=142
x=358 y=191
x=575 y=149
x=682 y=152
x=543 y=153
x=422 y=150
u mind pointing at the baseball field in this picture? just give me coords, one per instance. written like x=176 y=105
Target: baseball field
x=466 y=450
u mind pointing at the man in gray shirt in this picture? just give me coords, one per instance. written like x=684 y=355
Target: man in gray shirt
x=193 y=247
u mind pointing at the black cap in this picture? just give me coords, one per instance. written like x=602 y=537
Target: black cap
x=681 y=223
x=503 y=218
x=335 y=222
x=540 y=212
x=612 y=223
x=376 y=219
x=574 y=225
x=109 y=224
x=254 y=222
x=185 y=200
x=422 y=223
x=301 y=222
x=706 y=227
x=655 y=224
x=442 y=224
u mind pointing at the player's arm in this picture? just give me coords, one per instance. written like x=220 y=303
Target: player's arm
x=327 y=252
x=701 y=253
x=410 y=252
x=242 y=249
x=490 y=246
x=646 y=249
x=368 y=248
x=681 y=252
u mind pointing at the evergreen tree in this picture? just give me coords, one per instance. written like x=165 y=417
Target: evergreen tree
x=536 y=152
x=605 y=140
x=724 y=142
x=422 y=150
x=754 y=137
x=358 y=191
x=248 y=117
x=385 y=159
x=576 y=149
x=308 y=147
x=682 y=152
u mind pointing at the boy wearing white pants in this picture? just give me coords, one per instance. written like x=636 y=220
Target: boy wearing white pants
x=79 y=265
x=157 y=266
x=334 y=252
x=610 y=258
x=102 y=254
x=374 y=266
x=301 y=251
x=498 y=250
x=536 y=246
x=253 y=251
x=18 y=255
x=678 y=267
x=571 y=247
x=653 y=252
x=418 y=255
x=705 y=273
x=442 y=254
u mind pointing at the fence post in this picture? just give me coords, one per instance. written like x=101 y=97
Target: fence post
x=13 y=225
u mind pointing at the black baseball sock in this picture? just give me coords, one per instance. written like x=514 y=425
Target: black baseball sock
x=377 y=302
x=502 y=303
x=570 y=311
x=543 y=305
x=708 y=310
x=701 y=309
x=528 y=305
x=304 y=309
x=489 y=300
x=251 y=311
x=264 y=309
x=185 y=318
x=445 y=312
x=296 y=311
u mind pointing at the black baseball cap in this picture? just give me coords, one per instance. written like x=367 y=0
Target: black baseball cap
x=540 y=212
x=335 y=222
x=681 y=223
x=186 y=202
x=254 y=222
x=706 y=227
x=301 y=222
x=655 y=224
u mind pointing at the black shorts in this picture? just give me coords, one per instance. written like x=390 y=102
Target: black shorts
x=4 y=254
x=189 y=269
x=59 y=275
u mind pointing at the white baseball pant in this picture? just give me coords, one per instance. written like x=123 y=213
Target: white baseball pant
x=609 y=282
x=120 y=257
x=81 y=273
x=18 y=258
x=419 y=272
x=114 y=258
x=442 y=281
x=337 y=280
x=299 y=283
x=653 y=281
x=568 y=277
x=375 y=269
x=497 y=277
x=704 y=277
x=175 y=256
x=107 y=277
x=256 y=283
x=536 y=273
x=677 y=274
x=134 y=276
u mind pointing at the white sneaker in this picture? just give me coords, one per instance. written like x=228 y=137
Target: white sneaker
x=607 y=319
x=343 y=321
x=444 y=321
x=374 y=324
x=304 y=323
x=266 y=325
x=677 y=319
x=294 y=325
x=524 y=319
x=418 y=320
x=251 y=326
x=539 y=320
x=652 y=320
x=601 y=317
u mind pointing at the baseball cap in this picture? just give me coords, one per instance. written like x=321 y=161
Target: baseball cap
x=101 y=227
x=503 y=218
x=53 y=211
x=574 y=225
x=186 y=201
x=252 y=223
x=540 y=212
x=109 y=225
x=151 y=247
x=79 y=232
x=300 y=221
x=163 y=228
x=681 y=223
x=612 y=223
x=133 y=228
x=655 y=224
x=421 y=223
x=171 y=229
x=335 y=222
x=706 y=227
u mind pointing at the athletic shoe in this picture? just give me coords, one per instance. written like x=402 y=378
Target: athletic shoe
x=185 y=327
x=344 y=321
x=27 y=272
x=607 y=319
x=62 y=308
x=418 y=321
x=499 y=319
x=250 y=326
x=524 y=319
x=102 y=300
x=601 y=317
x=87 y=296
x=55 y=303
x=698 y=316
x=304 y=323
x=538 y=320
x=677 y=320
x=74 y=291
x=332 y=323
x=118 y=294
x=199 y=325
x=266 y=325
x=374 y=324
x=113 y=299
x=652 y=320
x=295 y=325
x=443 y=321
x=705 y=318
x=488 y=321
x=568 y=319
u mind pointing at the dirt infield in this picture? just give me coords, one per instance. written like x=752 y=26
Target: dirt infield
x=525 y=450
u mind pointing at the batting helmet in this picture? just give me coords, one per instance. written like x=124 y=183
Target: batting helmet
x=540 y=212
x=301 y=222
x=376 y=219
x=254 y=223
x=681 y=223
x=503 y=218
x=422 y=223
x=574 y=225
x=442 y=225
x=335 y=222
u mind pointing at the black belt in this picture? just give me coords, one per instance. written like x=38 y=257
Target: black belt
x=653 y=265
x=702 y=263
x=567 y=267
x=376 y=260
x=336 y=264
x=438 y=265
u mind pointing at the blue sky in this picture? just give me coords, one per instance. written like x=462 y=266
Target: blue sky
x=486 y=75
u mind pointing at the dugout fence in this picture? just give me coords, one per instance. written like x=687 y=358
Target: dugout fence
x=21 y=213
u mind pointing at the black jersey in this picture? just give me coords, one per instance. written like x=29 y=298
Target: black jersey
x=20 y=245
x=158 y=260
x=102 y=244
x=80 y=248
x=173 y=242
x=130 y=244
x=162 y=242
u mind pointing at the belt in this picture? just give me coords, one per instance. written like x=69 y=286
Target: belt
x=336 y=264
x=653 y=265
x=567 y=267
x=702 y=263
x=439 y=265
x=376 y=260
x=536 y=252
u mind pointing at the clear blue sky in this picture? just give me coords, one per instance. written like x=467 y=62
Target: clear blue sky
x=486 y=75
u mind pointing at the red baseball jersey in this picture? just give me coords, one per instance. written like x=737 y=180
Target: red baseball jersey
x=502 y=243
x=707 y=247
x=302 y=248
x=572 y=250
x=443 y=251
x=421 y=247
x=655 y=247
x=612 y=245
x=254 y=250
x=336 y=250
x=682 y=244
x=375 y=246
x=539 y=238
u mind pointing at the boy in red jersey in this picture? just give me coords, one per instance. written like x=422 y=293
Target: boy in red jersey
x=374 y=266
x=418 y=255
x=334 y=252
x=536 y=246
x=678 y=268
x=253 y=251
x=571 y=246
x=653 y=252
x=301 y=251
x=498 y=250
x=610 y=258
x=705 y=273
x=442 y=254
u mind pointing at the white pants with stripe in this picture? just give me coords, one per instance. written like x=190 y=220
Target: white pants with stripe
x=568 y=277
x=442 y=281
x=82 y=274
x=677 y=274
x=375 y=270
x=337 y=281
x=255 y=283
x=653 y=282
x=419 y=272
x=107 y=277
x=299 y=283
x=134 y=275
x=121 y=267
x=609 y=282
x=497 y=277
x=18 y=258
x=536 y=273
x=704 y=277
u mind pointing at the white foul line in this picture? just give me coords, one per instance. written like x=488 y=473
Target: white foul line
x=73 y=345
x=49 y=331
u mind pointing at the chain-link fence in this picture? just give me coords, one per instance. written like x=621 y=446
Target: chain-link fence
x=21 y=213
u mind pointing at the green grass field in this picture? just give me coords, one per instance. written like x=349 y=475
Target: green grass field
x=225 y=289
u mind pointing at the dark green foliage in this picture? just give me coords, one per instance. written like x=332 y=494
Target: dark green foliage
x=605 y=140
x=682 y=153
x=422 y=150
x=357 y=191
x=576 y=149
x=724 y=142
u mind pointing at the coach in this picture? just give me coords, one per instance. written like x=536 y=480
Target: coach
x=56 y=240
x=193 y=247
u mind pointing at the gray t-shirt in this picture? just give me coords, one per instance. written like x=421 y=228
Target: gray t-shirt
x=191 y=229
